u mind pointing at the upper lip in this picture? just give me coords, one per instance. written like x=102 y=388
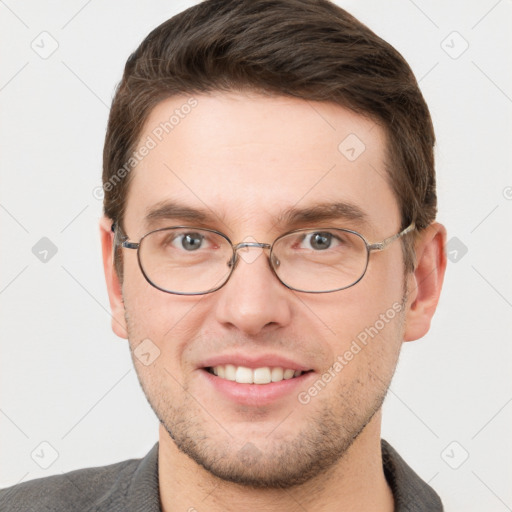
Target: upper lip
x=253 y=361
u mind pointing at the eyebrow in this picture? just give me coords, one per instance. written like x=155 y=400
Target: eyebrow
x=174 y=210
x=322 y=212
x=290 y=217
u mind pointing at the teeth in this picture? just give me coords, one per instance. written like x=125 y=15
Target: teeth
x=262 y=375
x=277 y=374
x=229 y=372
x=288 y=374
x=244 y=375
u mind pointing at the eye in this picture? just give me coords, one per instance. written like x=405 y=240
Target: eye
x=188 y=241
x=319 y=241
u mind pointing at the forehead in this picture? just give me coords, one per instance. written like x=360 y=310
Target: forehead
x=251 y=159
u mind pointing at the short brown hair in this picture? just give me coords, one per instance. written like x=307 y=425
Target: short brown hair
x=309 y=49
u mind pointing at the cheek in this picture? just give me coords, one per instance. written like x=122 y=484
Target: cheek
x=168 y=321
x=365 y=322
x=369 y=352
x=147 y=308
x=357 y=309
x=386 y=271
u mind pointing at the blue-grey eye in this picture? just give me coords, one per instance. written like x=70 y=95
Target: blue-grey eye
x=191 y=241
x=319 y=240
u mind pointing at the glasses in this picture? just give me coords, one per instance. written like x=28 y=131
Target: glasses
x=185 y=260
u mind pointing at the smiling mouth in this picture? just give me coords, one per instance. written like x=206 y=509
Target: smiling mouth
x=245 y=375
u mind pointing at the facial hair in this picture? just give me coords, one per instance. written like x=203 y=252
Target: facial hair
x=279 y=461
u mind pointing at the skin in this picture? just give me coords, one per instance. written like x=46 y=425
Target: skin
x=246 y=158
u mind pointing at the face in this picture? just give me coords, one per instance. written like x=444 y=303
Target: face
x=242 y=161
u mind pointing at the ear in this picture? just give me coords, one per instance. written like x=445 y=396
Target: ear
x=113 y=285
x=425 y=282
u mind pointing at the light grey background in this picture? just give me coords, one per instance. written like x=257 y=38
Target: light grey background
x=66 y=380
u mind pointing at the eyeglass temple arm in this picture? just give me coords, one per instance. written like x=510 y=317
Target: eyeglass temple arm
x=379 y=246
x=120 y=240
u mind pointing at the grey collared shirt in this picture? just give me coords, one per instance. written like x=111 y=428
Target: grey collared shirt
x=132 y=486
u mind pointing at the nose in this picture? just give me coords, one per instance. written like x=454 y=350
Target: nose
x=253 y=300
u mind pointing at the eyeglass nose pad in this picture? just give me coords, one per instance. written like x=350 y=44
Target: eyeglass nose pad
x=275 y=261
x=233 y=261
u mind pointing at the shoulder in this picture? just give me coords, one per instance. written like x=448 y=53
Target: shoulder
x=82 y=489
x=410 y=492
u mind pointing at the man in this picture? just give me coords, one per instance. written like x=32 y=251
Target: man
x=269 y=241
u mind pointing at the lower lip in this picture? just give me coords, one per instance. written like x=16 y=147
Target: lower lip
x=257 y=394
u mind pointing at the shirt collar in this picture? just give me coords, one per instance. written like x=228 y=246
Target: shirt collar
x=410 y=492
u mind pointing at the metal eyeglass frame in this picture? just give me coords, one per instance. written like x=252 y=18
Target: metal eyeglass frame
x=122 y=240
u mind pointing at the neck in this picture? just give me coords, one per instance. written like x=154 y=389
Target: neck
x=355 y=483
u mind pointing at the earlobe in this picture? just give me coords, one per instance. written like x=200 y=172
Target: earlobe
x=425 y=282
x=114 y=288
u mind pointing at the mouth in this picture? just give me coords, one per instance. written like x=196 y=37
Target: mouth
x=261 y=376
